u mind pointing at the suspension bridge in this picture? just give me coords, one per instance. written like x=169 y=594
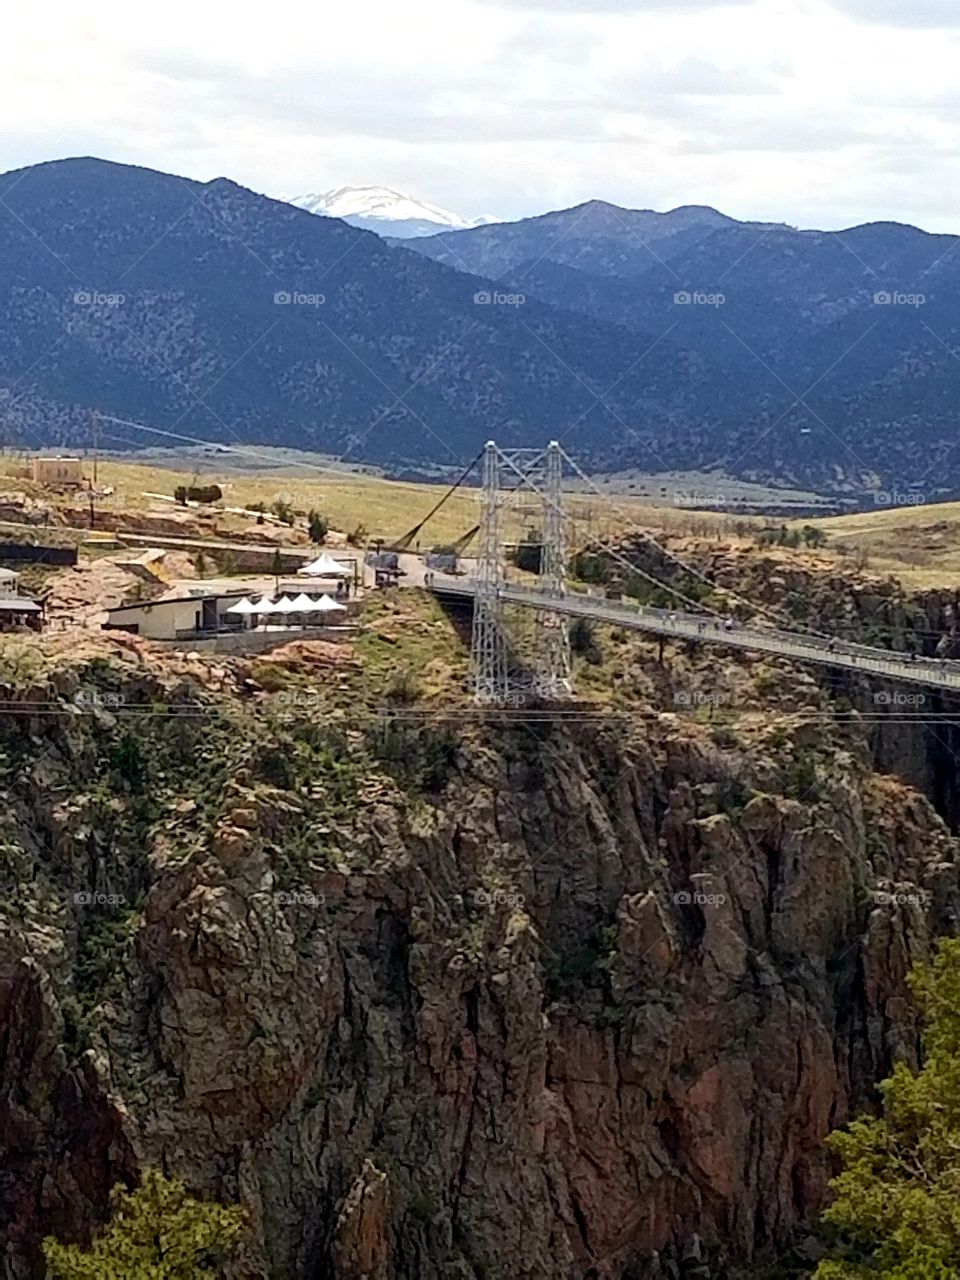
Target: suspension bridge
x=545 y=673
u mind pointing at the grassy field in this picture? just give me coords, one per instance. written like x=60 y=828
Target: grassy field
x=918 y=544
x=387 y=508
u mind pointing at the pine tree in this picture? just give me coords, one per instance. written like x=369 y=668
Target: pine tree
x=157 y=1232
x=897 y=1202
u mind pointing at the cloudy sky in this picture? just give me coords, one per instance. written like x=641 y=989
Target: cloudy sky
x=814 y=112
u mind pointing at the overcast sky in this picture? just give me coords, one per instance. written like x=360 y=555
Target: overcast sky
x=814 y=112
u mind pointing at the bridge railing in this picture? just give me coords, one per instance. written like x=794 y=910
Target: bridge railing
x=665 y=621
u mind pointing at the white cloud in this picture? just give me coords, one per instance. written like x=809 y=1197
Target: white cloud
x=902 y=13
x=509 y=107
x=618 y=7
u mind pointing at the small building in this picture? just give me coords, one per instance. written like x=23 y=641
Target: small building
x=179 y=617
x=18 y=612
x=58 y=471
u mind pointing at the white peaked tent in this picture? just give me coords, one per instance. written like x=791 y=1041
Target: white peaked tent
x=243 y=606
x=326 y=567
x=304 y=603
x=326 y=605
x=285 y=605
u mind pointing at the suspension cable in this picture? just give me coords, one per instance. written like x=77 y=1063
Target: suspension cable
x=404 y=541
x=633 y=570
x=774 y=614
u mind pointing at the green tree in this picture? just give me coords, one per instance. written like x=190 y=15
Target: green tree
x=897 y=1202
x=583 y=640
x=528 y=549
x=157 y=1232
x=283 y=510
x=317 y=526
x=813 y=536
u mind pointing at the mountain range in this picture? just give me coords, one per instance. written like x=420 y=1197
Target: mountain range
x=208 y=310
x=844 y=346
x=386 y=211
x=675 y=340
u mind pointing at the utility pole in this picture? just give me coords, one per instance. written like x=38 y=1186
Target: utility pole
x=96 y=443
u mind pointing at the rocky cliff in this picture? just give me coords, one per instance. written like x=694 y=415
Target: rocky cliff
x=437 y=995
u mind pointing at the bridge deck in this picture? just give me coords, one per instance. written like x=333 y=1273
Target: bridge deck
x=929 y=672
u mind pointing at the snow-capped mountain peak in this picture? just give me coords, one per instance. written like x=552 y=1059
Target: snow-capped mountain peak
x=386 y=211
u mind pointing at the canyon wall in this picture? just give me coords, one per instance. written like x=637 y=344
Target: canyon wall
x=546 y=997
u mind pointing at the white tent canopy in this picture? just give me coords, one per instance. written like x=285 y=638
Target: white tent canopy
x=326 y=605
x=285 y=605
x=243 y=606
x=304 y=603
x=326 y=567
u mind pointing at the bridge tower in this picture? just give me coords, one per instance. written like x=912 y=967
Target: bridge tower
x=493 y=682
x=554 y=650
x=488 y=648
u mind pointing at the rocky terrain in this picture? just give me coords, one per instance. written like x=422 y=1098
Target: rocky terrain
x=435 y=994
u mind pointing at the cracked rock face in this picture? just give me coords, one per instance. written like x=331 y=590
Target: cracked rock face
x=574 y=1013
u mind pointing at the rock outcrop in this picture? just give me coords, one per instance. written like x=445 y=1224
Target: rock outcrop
x=576 y=1000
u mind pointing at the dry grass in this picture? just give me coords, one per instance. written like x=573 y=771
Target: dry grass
x=918 y=544
x=388 y=508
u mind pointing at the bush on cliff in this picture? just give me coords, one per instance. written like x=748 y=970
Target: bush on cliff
x=897 y=1203
x=158 y=1232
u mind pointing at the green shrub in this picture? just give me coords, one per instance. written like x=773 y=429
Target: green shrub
x=283 y=510
x=802 y=777
x=317 y=526
x=583 y=640
x=128 y=761
x=528 y=552
x=158 y=1232
x=403 y=687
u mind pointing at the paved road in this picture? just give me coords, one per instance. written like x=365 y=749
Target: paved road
x=688 y=626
